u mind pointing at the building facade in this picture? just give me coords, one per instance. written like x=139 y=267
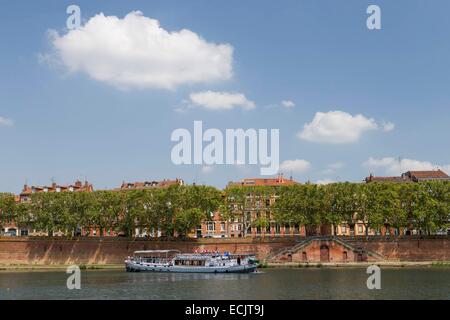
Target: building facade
x=246 y=219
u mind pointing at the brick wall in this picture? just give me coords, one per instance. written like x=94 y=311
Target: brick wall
x=111 y=251
x=114 y=250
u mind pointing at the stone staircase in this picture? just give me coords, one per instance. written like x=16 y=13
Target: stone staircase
x=293 y=249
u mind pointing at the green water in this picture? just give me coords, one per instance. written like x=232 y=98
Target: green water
x=403 y=283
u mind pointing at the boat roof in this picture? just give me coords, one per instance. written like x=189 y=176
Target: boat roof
x=191 y=256
x=155 y=251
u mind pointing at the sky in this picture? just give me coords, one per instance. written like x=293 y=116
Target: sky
x=101 y=101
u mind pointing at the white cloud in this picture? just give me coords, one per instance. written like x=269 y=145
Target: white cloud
x=288 y=104
x=6 y=122
x=136 y=52
x=297 y=166
x=325 y=181
x=393 y=166
x=336 y=127
x=212 y=100
x=388 y=126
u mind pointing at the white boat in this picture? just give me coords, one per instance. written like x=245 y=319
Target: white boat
x=174 y=261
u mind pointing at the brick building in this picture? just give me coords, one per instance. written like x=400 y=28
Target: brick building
x=412 y=176
x=145 y=185
x=27 y=191
x=243 y=224
x=150 y=184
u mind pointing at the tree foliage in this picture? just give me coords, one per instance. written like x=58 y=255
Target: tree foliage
x=178 y=210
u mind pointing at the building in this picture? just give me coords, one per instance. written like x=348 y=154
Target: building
x=245 y=221
x=412 y=176
x=267 y=182
x=150 y=184
x=146 y=185
x=27 y=191
x=78 y=186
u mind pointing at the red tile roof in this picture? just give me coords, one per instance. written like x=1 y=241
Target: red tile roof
x=372 y=178
x=78 y=186
x=150 y=184
x=278 y=181
x=435 y=174
x=412 y=176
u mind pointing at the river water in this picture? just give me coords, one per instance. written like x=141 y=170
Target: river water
x=307 y=283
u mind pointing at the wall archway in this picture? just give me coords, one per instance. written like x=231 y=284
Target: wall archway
x=324 y=253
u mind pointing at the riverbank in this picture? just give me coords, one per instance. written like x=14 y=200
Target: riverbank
x=59 y=267
x=286 y=265
x=392 y=264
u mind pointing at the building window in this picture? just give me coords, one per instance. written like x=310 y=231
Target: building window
x=24 y=232
x=344 y=229
x=211 y=226
x=360 y=229
x=222 y=226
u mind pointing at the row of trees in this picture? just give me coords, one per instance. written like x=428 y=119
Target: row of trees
x=175 y=209
x=180 y=209
x=421 y=206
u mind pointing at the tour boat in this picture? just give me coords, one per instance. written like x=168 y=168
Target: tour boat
x=174 y=261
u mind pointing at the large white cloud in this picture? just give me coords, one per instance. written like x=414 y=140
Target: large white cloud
x=6 y=122
x=213 y=100
x=336 y=127
x=393 y=166
x=297 y=166
x=136 y=52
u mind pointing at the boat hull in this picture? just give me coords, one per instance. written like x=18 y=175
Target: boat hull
x=134 y=267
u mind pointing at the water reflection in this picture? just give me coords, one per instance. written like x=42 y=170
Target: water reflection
x=434 y=283
x=174 y=277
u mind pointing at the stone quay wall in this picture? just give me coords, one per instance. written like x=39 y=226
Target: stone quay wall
x=54 y=251
x=114 y=250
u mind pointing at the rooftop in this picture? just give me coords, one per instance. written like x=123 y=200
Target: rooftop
x=411 y=176
x=278 y=181
x=150 y=184
x=54 y=187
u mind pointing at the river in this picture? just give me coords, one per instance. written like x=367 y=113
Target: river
x=306 y=283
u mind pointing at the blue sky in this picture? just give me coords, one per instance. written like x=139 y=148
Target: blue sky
x=63 y=125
